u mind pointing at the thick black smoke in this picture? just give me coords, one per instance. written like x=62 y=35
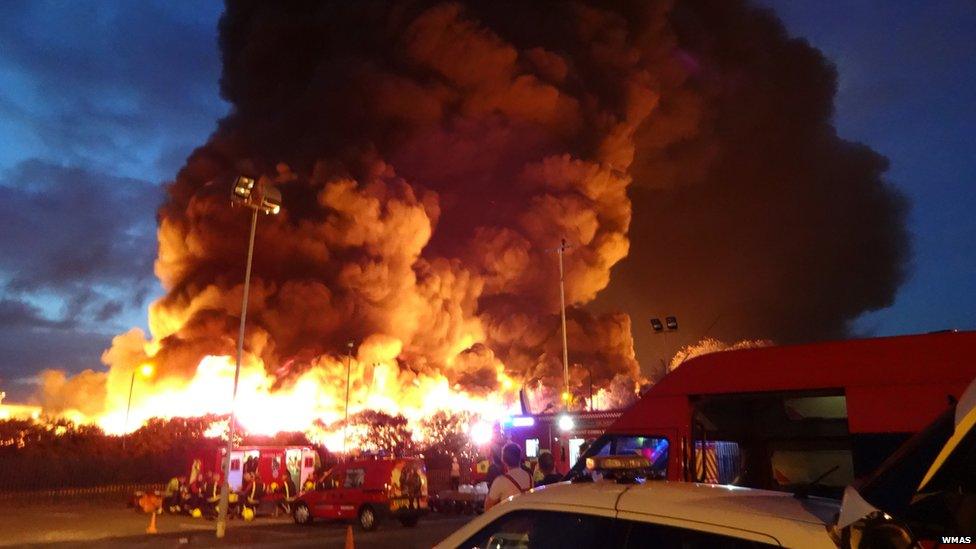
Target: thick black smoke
x=762 y=222
x=443 y=149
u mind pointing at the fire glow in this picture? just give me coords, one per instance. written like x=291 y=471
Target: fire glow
x=305 y=405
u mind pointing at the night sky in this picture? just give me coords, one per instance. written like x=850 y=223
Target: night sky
x=101 y=102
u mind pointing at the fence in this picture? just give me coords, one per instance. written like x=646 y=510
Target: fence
x=440 y=479
x=119 y=492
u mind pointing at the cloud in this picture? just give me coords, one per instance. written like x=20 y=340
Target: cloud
x=96 y=84
x=19 y=314
x=75 y=240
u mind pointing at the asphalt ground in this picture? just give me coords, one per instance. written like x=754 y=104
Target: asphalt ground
x=111 y=524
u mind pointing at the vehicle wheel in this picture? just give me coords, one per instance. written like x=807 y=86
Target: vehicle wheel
x=368 y=519
x=409 y=521
x=301 y=514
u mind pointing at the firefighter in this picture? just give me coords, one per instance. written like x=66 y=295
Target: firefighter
x=172 y=496
x=251 y=493
x=192 y=495
x=289 y=493
x=211 y=493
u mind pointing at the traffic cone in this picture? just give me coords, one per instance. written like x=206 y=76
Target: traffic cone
x=350 y=544
x=152 y=524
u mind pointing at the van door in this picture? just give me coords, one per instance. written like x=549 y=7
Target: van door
x=325 y=503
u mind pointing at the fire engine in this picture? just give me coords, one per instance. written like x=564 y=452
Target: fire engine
x=299 y=461
x=792 y=416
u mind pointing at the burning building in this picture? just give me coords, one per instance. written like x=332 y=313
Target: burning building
x=436 y=152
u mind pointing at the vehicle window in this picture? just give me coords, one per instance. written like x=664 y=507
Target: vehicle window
x=542 y=530
x=661 y=536
x=354 y=478
x=654 y=448
x=718 y=462
x=739 y=436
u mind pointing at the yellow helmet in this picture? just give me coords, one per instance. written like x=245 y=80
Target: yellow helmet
x=196 y=513
x=248 y=514
x=232 y=498
x=274 y=486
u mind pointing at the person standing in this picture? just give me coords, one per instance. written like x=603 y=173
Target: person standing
x=513 y=481
x=495 y=467
x=455 y=474
x=547 y=465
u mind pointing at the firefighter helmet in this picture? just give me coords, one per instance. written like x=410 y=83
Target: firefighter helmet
x=196 y=513
x=248 y=514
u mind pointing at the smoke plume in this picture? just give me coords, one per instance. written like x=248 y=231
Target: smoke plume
x=436 y=153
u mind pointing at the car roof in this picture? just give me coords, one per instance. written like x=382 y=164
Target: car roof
x=688 y=500
x=753 y=513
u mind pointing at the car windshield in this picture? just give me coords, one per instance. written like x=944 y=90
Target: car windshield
x=655 y=449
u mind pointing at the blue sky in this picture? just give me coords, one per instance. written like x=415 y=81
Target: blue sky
x=100 y=103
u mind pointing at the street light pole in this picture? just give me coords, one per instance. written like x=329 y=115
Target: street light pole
x=562 y=310
x=128 y=406
x=589 y=371
x=225 y=485
x=146 y=370
x=345 y=422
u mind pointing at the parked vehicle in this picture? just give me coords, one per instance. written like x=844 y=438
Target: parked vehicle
x=367 y=491
x=780 y=417
x=926 y=491
x=270 y=461
x=624 y=514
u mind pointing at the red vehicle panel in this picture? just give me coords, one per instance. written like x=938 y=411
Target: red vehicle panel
x=368 y=490
x=780 y=417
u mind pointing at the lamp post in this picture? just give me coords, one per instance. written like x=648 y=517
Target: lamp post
x=345 y=422
x=589 y=372
x=670 y=324
x=259 y=196
x=562 y=311
x=146 y=370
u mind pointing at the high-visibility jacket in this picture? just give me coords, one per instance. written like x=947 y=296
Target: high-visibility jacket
x=253 y=491
x=173 y=487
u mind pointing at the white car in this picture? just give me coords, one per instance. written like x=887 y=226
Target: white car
x=605 y=514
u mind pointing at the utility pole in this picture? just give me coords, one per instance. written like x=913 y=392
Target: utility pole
x=345 y=423
x=259 y=196
x=562 y=302
x=225 y=485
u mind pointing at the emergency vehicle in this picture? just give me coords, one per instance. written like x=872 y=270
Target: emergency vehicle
x=368 y=490
x=299 y=461
x=562 y=434
x=783 y=417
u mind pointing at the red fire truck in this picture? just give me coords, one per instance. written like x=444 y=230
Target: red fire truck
x=793 y=416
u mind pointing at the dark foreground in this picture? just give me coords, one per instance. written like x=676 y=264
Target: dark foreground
x=110 y=524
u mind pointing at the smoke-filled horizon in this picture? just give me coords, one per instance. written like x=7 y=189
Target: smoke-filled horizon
x=440 y=152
